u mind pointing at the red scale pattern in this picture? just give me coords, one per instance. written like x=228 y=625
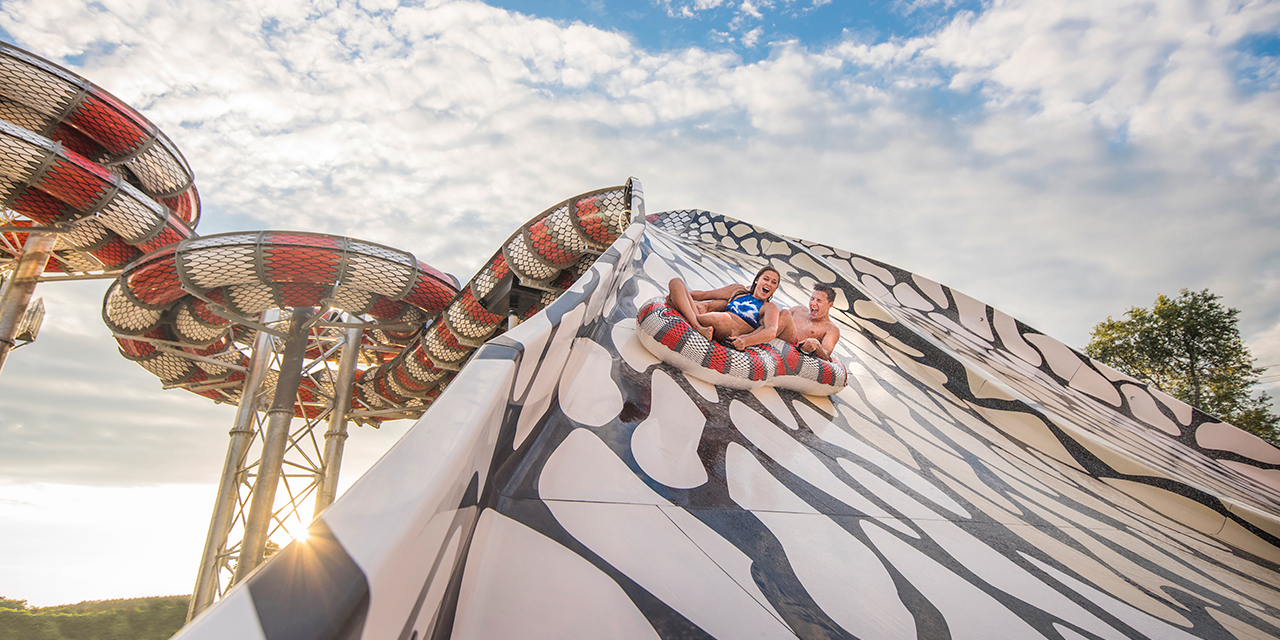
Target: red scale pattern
x=588 y=211
x=216 y=394
x=302 y=240
x=76 y=141
x=170 y=234
x=719 y=359
x=135 y=349
x=110 y=123
x=429 y=292
x=564 y=280
x=296 y=259
x=216 y=347
x=156 y=282
x=474 y=310
x=499 y=267
x=76 y=181
x=182 y=205
x=446 y=336
x=545 y=245
x=307 y=399
x=380 y=385
x=40 y=206
x=190 y=374
x=407 y=381
x=385 y=309
x=294 y=294
x=426 y=269
x=793 y=360
x=675 y=335
x=200 y=309
x=399 y=338
x=116 y=253
x=421 y=356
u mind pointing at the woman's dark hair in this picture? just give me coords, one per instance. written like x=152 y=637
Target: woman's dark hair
x=761 y=273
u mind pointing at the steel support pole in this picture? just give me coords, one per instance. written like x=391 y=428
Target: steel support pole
x=224 y=506
x=17 y=293
x=275 y=442
x=335 y=438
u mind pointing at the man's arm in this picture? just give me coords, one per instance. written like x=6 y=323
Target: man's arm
x=824 y=348
x=767 y=330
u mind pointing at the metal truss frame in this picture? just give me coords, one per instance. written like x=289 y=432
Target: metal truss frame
x=288 y=463
x=11 y=251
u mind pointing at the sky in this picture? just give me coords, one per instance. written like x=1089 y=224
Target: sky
x=1061 y=161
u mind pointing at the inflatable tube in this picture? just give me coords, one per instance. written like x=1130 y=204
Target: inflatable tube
x=666 y=334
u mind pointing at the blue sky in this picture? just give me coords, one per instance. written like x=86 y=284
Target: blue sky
x=1062 y=161
x=666 y=26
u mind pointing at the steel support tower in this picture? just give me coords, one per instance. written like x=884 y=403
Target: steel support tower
x=285 y=451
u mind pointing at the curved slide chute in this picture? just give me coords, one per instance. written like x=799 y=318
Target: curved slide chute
x=76 y=159
x=200 y=297
x=183 y=310
x=531 y=269
x=976 y=479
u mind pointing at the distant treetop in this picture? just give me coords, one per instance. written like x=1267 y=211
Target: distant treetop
x=1190 y=348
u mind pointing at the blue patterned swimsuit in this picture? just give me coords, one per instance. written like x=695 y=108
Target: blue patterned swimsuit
x=747 y=307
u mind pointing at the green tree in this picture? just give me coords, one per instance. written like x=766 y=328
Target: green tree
x=1190 y=348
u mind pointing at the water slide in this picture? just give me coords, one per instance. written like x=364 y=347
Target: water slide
x=974 y=479
x=957 y=474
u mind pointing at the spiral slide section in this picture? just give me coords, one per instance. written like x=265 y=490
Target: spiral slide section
x=542 y=259
x=183 y=311
x=75 y=159
x=975 y=479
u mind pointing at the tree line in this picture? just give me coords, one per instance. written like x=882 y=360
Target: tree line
x=125 y=619
x=1190 y=347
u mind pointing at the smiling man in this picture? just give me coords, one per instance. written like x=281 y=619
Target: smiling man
x=810 y=329
x=738 y=316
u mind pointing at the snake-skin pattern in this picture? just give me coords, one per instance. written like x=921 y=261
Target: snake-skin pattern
x=549 y=252
x=167 y=295
x=570 y=484
x=69 y=153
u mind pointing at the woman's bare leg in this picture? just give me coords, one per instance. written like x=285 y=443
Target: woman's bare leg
x=681 y=300
x=725 y=325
